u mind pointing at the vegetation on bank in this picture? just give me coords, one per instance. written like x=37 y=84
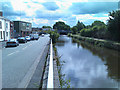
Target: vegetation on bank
x=97 y=30
x=63 y=82
x=98 y=42
x=54 y=36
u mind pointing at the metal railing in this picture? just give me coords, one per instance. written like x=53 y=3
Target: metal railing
x=50 y=83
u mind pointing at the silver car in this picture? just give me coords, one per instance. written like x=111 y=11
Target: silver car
x=12 y=42
x=28 y=38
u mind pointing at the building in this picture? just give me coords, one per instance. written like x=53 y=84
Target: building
x=4 y=29
x=36 y=30
x=22 y=28
x=11 y=29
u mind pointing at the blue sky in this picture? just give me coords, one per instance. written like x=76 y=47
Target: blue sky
x=47 y=12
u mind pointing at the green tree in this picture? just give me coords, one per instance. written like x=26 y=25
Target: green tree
x=74 y=29
x=46 y=26
x=97 y=23
x=97 y=30
x=54 y=36
x=80 y=25
x=61 y=26
x=114 y=25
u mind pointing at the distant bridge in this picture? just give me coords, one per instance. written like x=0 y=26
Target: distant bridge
x=63 y=32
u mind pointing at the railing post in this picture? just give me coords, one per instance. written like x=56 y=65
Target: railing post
x=50 y=83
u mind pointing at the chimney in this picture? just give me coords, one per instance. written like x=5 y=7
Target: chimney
x=1 y=13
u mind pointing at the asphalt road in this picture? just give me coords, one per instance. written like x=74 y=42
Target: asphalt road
x=20 y=62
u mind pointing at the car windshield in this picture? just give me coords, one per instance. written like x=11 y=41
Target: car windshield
x=21 y=38
x=12 y=40
x=27 y=36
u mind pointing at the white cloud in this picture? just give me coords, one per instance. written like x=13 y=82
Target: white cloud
x=61 y=14
x=60 y=20
x=103 y=0
x=65 y=4
x=87 y=17
x=19 y=6
x=40 y=21
x=22 y=6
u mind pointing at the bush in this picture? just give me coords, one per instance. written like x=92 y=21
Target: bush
x=54 y=36
x=95 y=31
x=86 y=32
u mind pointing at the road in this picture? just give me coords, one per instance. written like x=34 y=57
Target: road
x=20 y=62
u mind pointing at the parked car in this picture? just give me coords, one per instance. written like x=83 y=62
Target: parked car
x=12 y=42
x=34 y=36
x=22 y=40
x=42 y=35
x=28 y=38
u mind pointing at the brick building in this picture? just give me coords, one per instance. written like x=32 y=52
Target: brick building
x=22 y=28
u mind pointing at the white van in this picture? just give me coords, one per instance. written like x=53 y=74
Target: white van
x=34 y=36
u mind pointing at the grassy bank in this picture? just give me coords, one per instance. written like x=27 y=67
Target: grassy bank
x=98 y=42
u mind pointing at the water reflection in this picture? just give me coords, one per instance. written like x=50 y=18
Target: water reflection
x=88 y=66
x=111 y=58
x=62 y=41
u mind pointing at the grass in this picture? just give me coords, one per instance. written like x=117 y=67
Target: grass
x=98 y=42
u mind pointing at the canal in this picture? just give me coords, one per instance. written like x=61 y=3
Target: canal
x=88 y=66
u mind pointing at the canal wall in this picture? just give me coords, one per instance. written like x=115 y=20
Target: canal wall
x=46 y=71
x=98 y=42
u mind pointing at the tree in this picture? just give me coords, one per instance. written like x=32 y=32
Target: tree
x=54 y=36
x=114 y=25
x=46 y=26
x=80 y=25
x=66 y=27
x=74 y=29
x=97 y=23
x=61 y=26
x=96 y=30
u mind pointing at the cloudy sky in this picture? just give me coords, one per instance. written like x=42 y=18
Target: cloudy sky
x=47 y=12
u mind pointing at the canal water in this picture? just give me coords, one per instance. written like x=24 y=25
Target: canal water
x=88 y=66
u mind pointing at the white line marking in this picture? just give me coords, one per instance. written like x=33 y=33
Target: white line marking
x=30 y=44
x=26 y=80
x=12 y=53
x=24 y=48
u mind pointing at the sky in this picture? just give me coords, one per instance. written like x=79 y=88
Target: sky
x=47 y=12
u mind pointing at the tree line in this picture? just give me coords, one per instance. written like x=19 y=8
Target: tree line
x=98 y=29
